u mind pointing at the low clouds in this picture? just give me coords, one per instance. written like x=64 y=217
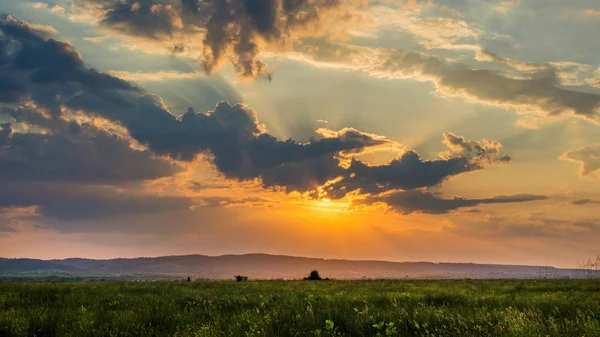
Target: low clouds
x=576 y=231
x=404 y=183
x=581 y=202
x=77 y=202
x=587 y=157
x=409 y=171
x=226 y=201
x=74 y=172
x=424 y=202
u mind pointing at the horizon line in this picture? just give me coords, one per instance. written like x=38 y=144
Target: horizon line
x=280 y=255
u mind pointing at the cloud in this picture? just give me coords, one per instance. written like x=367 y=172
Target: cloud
x=71 y=171
x=409 y=171
x=52 y=77
x=227 y=201
x=58 y=155
x=537 y=93
x=580 y=202
x=51 y=73
x=424 y=202
x=537 y=225
x=70 y=151
x=240 y=146
x=304 y=176
x=6 y=228
x=587 y=157
x=14 y=219
x=487 y=56
x=234 y=30
x=76 y=202
x=432 y=31
x=154 y=19
x=155 y=76
x=567 y=73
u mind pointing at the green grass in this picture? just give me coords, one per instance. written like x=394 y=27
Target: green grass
x=302 y=308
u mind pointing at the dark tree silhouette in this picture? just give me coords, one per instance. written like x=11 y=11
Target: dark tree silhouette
x=314 y=276
x=241 y=278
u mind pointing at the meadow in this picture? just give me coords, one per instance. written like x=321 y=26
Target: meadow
x=302 y=308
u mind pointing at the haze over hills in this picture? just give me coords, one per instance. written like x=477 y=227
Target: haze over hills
x=264 y=266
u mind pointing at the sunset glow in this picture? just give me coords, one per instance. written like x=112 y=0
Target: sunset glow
x=459 y=131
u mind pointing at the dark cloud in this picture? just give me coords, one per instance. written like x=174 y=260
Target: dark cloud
x=418 y=201
x=580 y=202
x=240 y=147
x=56 y=81
x=232 y=29
x=150 y=18
x=5 y=132
x=178 y=48
x=6 y=229
x=6 y=224
x=69 y=151
x=64 y=170
x=410 y=171
x=76 y=202
x=52 y=73
x=227 y=201
x=303 y=176
x=238 y=27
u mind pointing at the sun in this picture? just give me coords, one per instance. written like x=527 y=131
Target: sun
x=329 y=205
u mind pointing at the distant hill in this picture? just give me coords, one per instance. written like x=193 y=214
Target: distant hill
x=264 y=266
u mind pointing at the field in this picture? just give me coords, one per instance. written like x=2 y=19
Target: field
x=302 y=308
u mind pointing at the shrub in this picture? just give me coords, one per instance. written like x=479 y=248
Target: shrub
x=314 y=276
x=241 y=278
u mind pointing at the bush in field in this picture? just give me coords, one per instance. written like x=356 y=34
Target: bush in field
x=314 y=276
x=241 y=278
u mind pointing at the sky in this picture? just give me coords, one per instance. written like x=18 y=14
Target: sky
x=400 y=130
